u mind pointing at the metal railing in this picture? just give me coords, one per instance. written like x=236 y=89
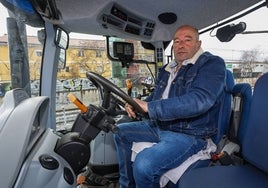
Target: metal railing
x=65 y=118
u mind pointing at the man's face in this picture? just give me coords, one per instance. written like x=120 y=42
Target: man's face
x=185 y=44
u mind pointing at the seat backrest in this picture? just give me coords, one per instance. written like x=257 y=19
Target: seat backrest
x=255 y=140
x=225 y=112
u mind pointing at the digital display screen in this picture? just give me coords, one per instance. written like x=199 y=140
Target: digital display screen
x=123 y=50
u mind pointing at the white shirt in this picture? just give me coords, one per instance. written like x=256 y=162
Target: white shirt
x=172 y=68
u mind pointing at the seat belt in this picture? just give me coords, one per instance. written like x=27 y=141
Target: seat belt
x=235 y=117
x=230 y=144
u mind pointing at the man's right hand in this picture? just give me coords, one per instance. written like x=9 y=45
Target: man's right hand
x=130 y=111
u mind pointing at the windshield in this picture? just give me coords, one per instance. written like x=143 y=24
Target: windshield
x=89 y=53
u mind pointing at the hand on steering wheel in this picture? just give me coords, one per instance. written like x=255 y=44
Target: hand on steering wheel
x=131 y=111
x=107 y=88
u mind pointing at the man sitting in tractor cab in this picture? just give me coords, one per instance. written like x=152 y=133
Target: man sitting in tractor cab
x=183 y=113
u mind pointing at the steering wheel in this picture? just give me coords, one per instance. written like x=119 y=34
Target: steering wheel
x=108 y=88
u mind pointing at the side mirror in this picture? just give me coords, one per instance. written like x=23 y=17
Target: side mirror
x=61 y=39
x=62 y=42
x=227 y=33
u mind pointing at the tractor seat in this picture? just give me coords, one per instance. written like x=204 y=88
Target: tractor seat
x=254 y=142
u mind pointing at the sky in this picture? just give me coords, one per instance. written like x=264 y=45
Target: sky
x=230 y=51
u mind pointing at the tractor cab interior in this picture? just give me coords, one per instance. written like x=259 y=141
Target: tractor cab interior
x=67 y=69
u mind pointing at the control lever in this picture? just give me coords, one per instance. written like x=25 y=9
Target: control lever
x=73 y=146
x=91 y=120
x=77 y=102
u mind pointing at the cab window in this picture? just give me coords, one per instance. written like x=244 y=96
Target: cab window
x=89 y=53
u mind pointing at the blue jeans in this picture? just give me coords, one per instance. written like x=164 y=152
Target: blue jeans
x=172 y=149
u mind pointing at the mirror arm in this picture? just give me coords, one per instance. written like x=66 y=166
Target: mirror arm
x=108 y=50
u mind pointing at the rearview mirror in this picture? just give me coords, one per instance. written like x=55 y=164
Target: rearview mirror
x=61 y=39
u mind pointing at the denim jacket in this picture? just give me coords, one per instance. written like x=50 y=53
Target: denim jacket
x=195 y=97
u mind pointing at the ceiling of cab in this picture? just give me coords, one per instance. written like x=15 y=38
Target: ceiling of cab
x=146 y=20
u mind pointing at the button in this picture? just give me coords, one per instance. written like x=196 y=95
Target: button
x=48 y=162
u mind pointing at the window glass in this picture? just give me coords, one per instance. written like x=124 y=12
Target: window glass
x=89 y=53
